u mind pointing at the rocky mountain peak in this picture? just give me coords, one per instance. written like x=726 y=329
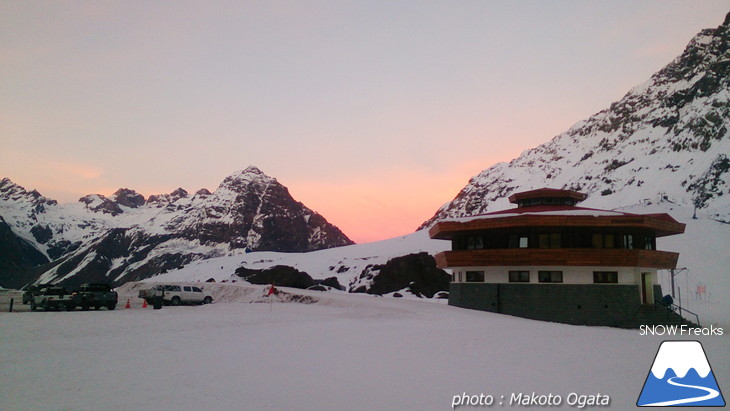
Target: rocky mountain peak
x=179 y=193
x=249 y=172
x=12 y=192
x=242 y=180
x=161 y=200
x=128 y=198
x=111 y=205
x=99 y=203
x=252 y=170
x=6 y=184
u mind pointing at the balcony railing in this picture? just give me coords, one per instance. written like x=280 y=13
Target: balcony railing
x=603 y=257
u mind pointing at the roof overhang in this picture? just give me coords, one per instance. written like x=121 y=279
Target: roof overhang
x=659 y=224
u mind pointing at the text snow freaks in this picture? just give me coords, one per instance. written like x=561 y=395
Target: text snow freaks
x=531 y=400
x=683 y=329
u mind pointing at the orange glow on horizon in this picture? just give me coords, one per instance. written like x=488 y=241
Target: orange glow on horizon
x=379 y=207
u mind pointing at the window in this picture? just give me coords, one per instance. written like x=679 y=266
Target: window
x=518 y=241
x=649 y=242
x=549 y=240
x=475 y=243
x=187 y=288
x=519 y=276
x=550 y=276
x=603 y=241
x=197 y=290
x=475 y=276
x=605 y=277
x=597 y=241
x=555 y=240
x=628 y=241
x=608 y=241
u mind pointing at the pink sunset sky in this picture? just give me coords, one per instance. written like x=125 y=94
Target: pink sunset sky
x=373 y=113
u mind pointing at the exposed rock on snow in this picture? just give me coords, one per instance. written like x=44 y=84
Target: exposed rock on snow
x=280 y=275
x=415 y=272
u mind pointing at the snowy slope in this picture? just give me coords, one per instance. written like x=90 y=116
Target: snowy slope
x=669 y=136
x=347 y=264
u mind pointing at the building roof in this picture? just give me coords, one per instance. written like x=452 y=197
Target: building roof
x=557 y=216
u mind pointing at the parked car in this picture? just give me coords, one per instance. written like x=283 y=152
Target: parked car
x=95 y=295
x=30 y=291
x=176 y=294
x=52 y=298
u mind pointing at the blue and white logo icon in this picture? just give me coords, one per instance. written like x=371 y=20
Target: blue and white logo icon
x=681 y=376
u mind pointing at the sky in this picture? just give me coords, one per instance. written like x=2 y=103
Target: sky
x=372 y=113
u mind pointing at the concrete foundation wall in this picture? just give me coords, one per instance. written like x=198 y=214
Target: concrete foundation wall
x=587 y=304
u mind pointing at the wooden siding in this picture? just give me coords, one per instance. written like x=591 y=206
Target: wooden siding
x=558 y=257
x=659 y=225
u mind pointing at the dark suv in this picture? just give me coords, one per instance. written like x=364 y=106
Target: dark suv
x=95 y=295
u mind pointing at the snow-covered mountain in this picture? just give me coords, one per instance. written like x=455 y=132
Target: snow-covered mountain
x=127 y=237
x=667 y=138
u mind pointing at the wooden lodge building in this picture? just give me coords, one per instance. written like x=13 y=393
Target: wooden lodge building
x=550 y=260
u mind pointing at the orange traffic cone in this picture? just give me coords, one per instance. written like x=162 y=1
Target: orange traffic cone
x=144 y=303
x=127 y=306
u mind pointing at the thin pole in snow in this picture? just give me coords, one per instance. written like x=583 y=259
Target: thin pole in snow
x=271 y=291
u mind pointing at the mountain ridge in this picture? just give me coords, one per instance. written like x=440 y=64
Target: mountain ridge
x=125 y=236
x=667 y=137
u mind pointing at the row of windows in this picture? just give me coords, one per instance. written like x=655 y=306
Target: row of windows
x=546 y=200
x=599 y=277
x=555 y=240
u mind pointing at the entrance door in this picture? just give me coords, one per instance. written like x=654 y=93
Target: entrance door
x=647 y=289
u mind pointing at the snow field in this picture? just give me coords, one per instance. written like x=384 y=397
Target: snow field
x=345 y=351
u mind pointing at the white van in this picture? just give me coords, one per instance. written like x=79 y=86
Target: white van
x=176 y=294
